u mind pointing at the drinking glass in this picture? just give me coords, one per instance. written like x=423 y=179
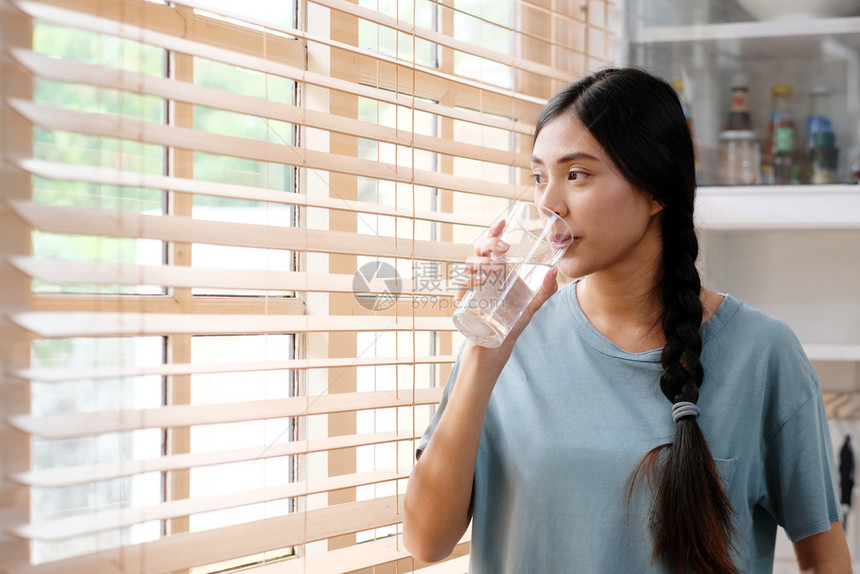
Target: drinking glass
x=538 y=238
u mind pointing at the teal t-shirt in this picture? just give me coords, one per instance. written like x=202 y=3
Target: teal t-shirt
x=572 y=415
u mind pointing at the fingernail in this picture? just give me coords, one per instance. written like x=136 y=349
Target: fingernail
x=501 y=244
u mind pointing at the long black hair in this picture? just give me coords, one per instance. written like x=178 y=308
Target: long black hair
x=638 y=120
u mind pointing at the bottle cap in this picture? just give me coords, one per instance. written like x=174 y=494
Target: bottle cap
x=821 y=89
x=740 y=81
x=781 y=89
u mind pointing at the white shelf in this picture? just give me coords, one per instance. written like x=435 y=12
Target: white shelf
x=746 y=30
x=832 y=352
x=778 y=207
x=777 y=39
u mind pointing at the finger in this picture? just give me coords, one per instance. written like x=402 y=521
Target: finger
x=474 y=275
x=548 y=288
x=490 y=246
x=496 y=228
x=492 y=243
x=484 y=262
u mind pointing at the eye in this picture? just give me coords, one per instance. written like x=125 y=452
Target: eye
x=539 y=178
x=574 y=175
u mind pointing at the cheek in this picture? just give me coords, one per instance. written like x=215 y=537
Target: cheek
x=606 y=211
x=625 y=207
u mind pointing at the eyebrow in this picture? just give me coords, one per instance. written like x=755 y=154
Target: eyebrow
x=567 y=158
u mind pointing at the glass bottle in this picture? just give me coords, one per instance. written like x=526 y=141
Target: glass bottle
x=818 y=120
x=823 y=158
x=740 y=158
x=739 y=117
x=779 y=157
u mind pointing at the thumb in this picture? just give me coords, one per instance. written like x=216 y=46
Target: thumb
x=548 y=288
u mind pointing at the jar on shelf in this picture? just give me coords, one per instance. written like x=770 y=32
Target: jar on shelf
x=739 y=117
x=740 y=158
x=823 y=158
x=780 y=160
x=818 y=121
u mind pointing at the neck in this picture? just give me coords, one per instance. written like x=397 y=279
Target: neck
x=625 y=307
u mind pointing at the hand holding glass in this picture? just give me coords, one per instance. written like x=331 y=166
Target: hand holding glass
x=537 y=238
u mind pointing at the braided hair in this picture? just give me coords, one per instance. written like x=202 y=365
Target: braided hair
x=638 y=120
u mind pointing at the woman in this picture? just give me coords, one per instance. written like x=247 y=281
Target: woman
x=633 y=421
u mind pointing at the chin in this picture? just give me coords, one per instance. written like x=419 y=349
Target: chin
x=570 y=269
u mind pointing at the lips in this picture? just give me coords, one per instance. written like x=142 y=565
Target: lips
x=560 y=241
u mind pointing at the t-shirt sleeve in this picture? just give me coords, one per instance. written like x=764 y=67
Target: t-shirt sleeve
x=801 y=490
x=425 y=438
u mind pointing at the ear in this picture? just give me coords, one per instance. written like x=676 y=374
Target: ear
x=656 y=207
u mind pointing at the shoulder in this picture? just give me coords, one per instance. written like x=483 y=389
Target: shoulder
x=740 y=335
x=746 y=327
x=755 y=358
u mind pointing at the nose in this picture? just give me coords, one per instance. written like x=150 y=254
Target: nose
x=552 y=197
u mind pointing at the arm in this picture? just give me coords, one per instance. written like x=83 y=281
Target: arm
x=824 y=553
x=439 y=492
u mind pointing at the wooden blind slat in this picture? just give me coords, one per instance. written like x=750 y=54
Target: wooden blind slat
x=67 y=476
x=63 y=374
x=350 y=559
x=50 y=324
x=107 y=176
x=112 y=126
x=64 y=528
x=79 y=72
x=111 y=223
x=95 y=273
x=459 y=565
x=187 y=550
x=73 y=425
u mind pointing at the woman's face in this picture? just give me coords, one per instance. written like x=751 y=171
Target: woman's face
x=615 y=226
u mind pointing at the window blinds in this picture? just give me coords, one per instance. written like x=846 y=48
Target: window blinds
x=231 y=239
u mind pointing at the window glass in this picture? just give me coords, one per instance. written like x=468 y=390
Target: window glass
x=93 y=395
